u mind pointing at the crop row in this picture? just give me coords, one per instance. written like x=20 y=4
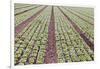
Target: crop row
x=84 y=10
x=24 y=9
x=87 y=28
x=20 y=18
x=20 y=6
x=70 y=45
x=88 y=19
x=33 y=45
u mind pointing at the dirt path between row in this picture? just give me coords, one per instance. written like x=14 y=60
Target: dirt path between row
x=87 y=41
x=22 y=25
x=51 y=55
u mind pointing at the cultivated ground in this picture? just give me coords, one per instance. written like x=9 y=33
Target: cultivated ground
x=53 y=34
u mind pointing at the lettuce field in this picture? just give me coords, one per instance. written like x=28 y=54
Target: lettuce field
x=47 y=34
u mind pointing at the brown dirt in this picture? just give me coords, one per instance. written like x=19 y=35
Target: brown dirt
x=51 y=55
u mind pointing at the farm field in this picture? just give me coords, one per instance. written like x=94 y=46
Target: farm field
x=53 y=34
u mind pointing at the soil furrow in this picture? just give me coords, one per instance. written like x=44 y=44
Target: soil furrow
x=51 y=55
